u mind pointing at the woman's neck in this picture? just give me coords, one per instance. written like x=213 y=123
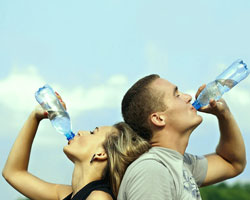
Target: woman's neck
x=84 y=174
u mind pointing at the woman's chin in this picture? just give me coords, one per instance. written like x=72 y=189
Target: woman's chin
x=68 y=153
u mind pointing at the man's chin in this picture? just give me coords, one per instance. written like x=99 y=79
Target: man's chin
x=201 y=118
x=198 y=121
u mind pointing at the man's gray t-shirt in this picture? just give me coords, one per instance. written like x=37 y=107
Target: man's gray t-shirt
x=163 y=174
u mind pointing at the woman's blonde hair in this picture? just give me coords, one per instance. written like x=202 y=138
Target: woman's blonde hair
x=122 y=148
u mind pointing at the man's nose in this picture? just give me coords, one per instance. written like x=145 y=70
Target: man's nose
x=187 y=98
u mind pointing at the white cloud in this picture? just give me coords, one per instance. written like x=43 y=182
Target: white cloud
x=107 y=95
x=17 y=92
x=18 y=88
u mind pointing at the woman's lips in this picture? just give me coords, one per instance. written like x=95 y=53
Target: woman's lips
x=69 y=142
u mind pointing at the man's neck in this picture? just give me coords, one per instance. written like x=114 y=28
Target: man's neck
x=171 y=140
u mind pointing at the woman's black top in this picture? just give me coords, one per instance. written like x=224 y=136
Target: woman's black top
x=90 y=187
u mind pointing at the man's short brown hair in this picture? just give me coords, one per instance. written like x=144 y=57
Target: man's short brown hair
x=139 y=102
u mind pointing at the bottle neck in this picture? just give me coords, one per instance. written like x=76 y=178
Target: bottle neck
x=70 y=135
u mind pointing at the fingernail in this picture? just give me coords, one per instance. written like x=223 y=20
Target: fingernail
x=45 y=114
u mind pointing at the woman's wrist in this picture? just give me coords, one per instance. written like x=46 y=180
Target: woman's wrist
x=37 y=116
x=39 y=113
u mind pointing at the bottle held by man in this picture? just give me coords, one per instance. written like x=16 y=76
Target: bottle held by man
x=223 y=83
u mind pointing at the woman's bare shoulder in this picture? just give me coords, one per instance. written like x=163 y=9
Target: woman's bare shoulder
x=63 y=190
x=99 y=195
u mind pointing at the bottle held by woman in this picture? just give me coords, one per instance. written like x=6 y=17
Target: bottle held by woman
x=58 y=116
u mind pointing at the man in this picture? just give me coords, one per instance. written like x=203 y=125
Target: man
x=164 y=116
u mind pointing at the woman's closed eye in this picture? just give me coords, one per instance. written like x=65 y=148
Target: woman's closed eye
x=92 y=132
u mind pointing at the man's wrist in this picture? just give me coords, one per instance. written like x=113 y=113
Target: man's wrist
x=224 y=115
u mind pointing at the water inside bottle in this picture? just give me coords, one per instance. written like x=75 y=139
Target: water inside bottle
x=60 y=120
x=214 y=90
x=225 y=85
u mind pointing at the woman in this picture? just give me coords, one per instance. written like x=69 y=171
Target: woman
x=100 y=159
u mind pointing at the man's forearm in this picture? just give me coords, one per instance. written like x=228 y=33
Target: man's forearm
x=231 y=146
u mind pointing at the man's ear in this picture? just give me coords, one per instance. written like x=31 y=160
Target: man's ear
x=158 y=119
x=101 y=156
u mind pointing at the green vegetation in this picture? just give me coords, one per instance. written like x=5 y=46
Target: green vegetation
x=225 y=191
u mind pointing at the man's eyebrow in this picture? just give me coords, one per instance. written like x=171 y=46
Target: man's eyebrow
x=175 y=90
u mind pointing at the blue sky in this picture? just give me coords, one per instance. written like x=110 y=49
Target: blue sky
x=91 y=52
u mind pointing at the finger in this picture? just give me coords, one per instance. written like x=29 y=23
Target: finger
x=46 y=114
x=199 y=90
x=205 y=108
x=58 y=95
x=63 y=104
x=212 y=103
x=60 y=99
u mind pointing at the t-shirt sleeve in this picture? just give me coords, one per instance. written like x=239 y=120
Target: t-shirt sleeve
x=149 y=180
x=198 y=166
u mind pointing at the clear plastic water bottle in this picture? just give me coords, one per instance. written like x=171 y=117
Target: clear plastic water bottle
x=57 y=114
x=223 y=83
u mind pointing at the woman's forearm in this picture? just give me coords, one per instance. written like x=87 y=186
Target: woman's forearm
x=18 y=158
x=15 y=170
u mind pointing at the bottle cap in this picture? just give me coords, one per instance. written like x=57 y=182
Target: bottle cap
x=196 y=105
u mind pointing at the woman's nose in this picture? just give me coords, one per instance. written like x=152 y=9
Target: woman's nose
x=81 y=133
